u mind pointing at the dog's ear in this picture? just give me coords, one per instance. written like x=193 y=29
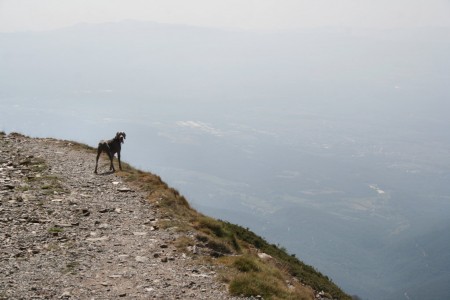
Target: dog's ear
x=124 y=135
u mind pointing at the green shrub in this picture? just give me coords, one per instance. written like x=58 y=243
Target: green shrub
x=212 y=225
x=217 y=229
x=254 y=284
x=246 y=264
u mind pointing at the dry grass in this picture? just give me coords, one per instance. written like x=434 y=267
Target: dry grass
x=248 y=276
x=232 y=247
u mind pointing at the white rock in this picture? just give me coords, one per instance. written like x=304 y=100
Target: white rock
x=264 y=256
x=140 y=233
x=141 y=259
x=100 y=239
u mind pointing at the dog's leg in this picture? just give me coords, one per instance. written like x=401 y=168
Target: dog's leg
x=99 y=151
x=118 y=157
x=111 y=157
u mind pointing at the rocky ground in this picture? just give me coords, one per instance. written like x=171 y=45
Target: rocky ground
x=66 y=232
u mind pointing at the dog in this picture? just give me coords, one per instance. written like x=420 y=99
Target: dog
x=111 y=147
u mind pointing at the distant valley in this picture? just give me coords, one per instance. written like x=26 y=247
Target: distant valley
x=340 y=156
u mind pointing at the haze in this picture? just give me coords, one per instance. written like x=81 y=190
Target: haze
x=323 y=136
x=244 y=14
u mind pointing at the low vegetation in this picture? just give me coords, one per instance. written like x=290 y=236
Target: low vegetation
x=55 y=230
x=282 y=276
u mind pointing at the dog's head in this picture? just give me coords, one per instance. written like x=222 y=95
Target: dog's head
x=120 y=136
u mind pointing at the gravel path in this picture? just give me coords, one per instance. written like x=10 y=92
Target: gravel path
x=67 y=233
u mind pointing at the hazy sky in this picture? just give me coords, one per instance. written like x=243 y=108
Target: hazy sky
x=18 y=15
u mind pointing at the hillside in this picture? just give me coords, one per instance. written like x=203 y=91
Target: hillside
x=68 y=233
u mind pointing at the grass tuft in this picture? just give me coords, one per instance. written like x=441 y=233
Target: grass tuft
x=55 y=230
x=212 y=226
x=246 y=264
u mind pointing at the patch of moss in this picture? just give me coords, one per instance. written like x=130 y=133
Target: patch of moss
x=55 y=230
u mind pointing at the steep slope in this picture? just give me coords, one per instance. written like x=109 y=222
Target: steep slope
x=70 y=233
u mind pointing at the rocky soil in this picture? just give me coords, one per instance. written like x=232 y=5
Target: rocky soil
x=66 y=232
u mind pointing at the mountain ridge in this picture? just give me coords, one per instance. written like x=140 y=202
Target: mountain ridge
x=72 y=234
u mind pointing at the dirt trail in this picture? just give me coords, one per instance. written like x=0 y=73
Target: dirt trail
x=68 y=233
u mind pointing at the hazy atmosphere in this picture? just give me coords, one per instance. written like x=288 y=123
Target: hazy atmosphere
x=321 y=125
x=244 y=14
